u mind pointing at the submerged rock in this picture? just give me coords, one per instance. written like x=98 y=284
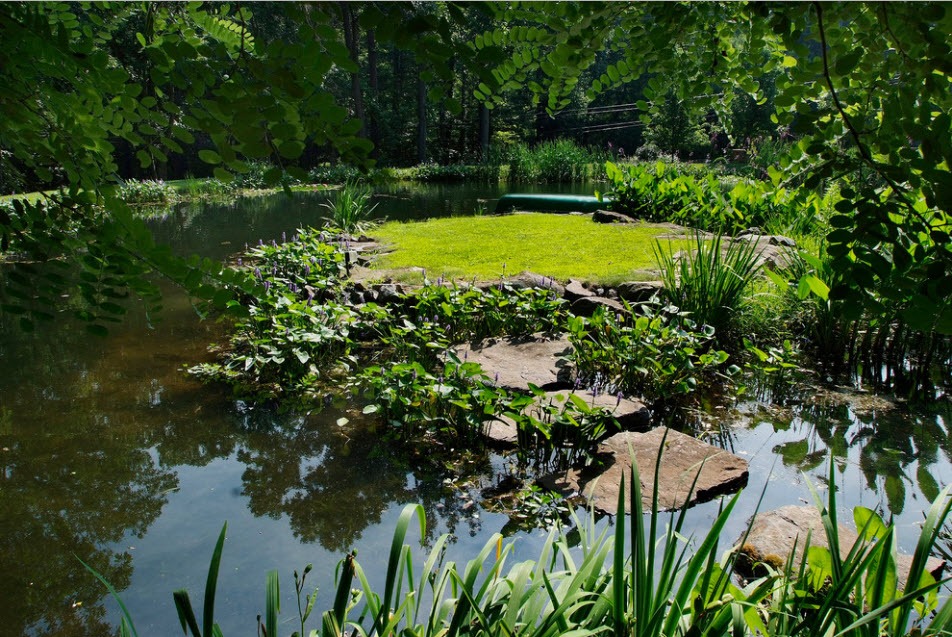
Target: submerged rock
x=683 y=457
x=514 y=363
x=775 y=534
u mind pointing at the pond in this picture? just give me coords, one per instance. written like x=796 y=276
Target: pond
x=111 y=454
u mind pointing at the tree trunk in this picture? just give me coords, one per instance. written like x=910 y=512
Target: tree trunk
x=349 y=18
x=421 y=119
x=483 y=132
x=374 y=92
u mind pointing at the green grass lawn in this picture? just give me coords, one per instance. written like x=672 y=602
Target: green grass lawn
x=561 y=246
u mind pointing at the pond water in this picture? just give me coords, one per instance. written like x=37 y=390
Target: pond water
x=111 y=454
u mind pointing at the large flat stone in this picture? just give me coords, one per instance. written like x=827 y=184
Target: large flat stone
x=683 y=457
x=775 y=534
x=587 y=305
x=519 y=362
x=639 y=291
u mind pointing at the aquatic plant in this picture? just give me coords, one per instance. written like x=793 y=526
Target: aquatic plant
x=710 y=281
x=137 y=192
x=663 y=584
x=656 y=353
x=703 y=200
x=350 y=209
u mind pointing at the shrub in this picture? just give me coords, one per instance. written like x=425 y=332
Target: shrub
x=335 y=174
x=709 y=283
x=146 y=192
x=350 y=209
x=657 y=354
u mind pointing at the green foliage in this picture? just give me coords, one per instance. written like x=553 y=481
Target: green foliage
x=559 y=161
x=259 y=175
x=675 y=131
x=710 y=282
x=660 y=192
x=663 y=584
x=146 y=192
x=771 y=369
x=350 y=209
x=657 y=354
x=880 y=347
x=334 y=174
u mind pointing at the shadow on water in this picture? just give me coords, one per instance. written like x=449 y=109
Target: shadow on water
x=111 y=453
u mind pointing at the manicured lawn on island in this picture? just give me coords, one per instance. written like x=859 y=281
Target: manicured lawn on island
x=561 y=246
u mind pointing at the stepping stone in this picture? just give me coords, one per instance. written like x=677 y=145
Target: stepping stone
x=720 y=471
x=519 y=362
x=502 y=433
x=586 y=305
x=639 y=291
x=774 y=534
x=630 y=413
x=575 y=290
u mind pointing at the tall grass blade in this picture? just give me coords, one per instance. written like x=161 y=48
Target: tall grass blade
x=393 y=581
x=186 y=615
x=211 y=583
x=272 y=603
x=126 y=617
x=341 y=598
x=619 y=595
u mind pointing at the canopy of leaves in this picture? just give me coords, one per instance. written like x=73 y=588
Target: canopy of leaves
x=865 y=88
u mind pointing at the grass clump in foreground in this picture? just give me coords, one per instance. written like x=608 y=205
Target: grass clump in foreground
x=644 y=580
x=560 y=246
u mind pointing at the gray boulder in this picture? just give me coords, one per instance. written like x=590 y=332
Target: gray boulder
x=575 y=290
x=607 y=216
x=586 y=305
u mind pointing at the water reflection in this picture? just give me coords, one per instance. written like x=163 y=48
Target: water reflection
x=899 y=454
x=109 y=452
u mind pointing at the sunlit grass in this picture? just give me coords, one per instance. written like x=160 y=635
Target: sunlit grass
x=560 y=246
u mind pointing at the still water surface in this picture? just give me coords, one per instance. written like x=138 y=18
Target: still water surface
x=110 y=453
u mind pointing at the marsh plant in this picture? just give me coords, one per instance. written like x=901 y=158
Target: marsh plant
x=135 y=192
x=559 y=161
x=661 y=191
x=654 y=352
x=644 y=578
x=710 y=281
x=350 y=208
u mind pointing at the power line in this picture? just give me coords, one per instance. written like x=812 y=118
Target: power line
x=596 y=128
